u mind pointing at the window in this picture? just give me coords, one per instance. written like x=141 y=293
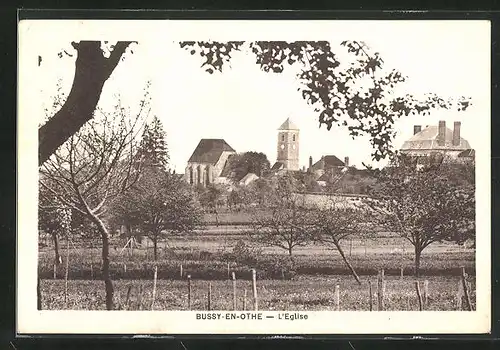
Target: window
x=282 y=137
x=294 y=137
x=191 y=176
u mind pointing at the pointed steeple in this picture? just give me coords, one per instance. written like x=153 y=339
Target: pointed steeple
x=288 y=125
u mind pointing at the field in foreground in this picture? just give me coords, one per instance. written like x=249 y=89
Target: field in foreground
x=304 y=293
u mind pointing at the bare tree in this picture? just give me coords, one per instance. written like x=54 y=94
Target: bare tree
x=286 y=225
x=95 y=166
x=336 y=220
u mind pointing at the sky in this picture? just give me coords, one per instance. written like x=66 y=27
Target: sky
x=245 y=106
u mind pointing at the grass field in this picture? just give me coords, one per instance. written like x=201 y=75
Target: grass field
x=209 y=257
x=305 y=293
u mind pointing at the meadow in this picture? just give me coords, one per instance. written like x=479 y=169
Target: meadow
x=214 y=252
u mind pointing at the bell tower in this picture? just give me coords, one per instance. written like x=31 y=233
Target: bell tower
x=288 y=145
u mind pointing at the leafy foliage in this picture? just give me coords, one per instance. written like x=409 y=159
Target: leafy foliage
x=248 y=162
x=430 y=203
x=160 y=204
x=153 y=147
x=357 y=94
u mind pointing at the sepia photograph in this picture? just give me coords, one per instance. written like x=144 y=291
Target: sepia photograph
x=254 y=177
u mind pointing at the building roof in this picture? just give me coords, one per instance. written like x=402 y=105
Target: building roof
x=248 y=178
x=226 y=170
x=327 y=162
x=277 y=166
x=288 y=125
x=209 y=151
x=467 y=153
x=427 y=139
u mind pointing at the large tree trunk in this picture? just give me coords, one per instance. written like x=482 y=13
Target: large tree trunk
x=418 y=254
x=290 y=251
x=92 y=70
x=353 y=272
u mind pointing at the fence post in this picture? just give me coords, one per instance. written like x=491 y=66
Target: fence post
x=371 y=294
x=228 y=274
x=245 y=300
x=402 y=272
x=419 y=296
x=350 y=247
x=337 y=297
x=189 y=291
x=254 y=288
x=140 y=297
x=154 y=287
x=91 y=271
x=124 y=268
x=234 y=291
x=364 y=242
x=459 y=294
x=209 y=297
x=67 y=273
x=426 y=293
x=127 y=298
x=181 y=272
x=466 y=292
x=380 y=288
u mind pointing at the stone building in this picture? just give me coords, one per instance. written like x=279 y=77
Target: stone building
x=208 y=161
x=288 y=147
x=436 y=139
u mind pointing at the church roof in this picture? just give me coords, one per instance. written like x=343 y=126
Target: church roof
x=209 y=151
x=427 y=139
x=288 y=125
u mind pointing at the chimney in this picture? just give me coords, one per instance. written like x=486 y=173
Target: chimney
x=346 y=161
x=417 y=129
x=441 y=133
x=310 y=161
x=456 y=134
x=304 y=168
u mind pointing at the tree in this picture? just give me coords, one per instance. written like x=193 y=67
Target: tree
x=96 y=165
x=429 y=203
x=54 y=218
x=261 y=190
x=160 y=204
x=356 y=94
x=248 y=162
x=286 y=225
x=336 y=221
x=153 y=148
x=92 y=70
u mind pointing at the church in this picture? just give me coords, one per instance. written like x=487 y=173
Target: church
x=209 y=162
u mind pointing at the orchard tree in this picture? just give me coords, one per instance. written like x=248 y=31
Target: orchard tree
x=54 y=218
x=96 y=165
x=161 y=205
x=286 y=224
x=356 y=93
x=337 y=220
x=425 y=204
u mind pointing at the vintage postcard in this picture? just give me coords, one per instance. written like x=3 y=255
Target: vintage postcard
x=253 y=177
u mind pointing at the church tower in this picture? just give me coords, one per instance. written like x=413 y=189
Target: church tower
x=288 y=145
